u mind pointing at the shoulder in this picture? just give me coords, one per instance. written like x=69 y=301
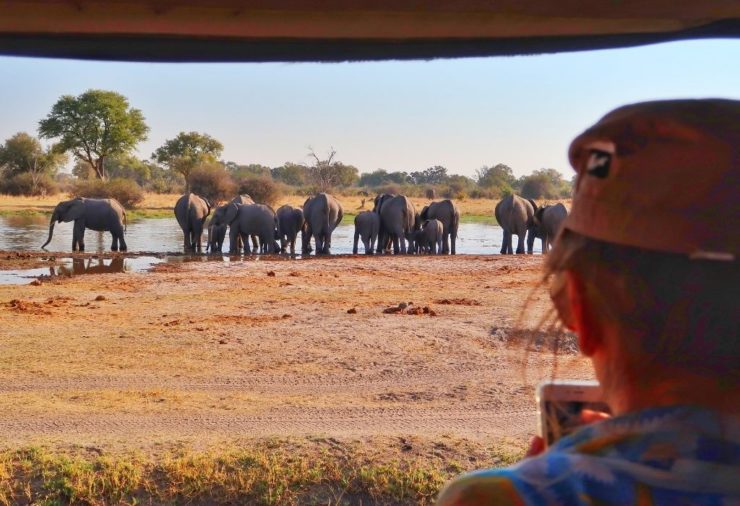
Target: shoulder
x=492 y=486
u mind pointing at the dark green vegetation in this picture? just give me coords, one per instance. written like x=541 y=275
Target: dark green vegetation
x=100 y=130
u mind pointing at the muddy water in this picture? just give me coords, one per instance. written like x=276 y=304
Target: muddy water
x=163 y=235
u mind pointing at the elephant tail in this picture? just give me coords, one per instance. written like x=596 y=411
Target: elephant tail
x=340 y=215
x=125 y=221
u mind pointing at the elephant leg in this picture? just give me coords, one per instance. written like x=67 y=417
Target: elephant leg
x=122 y=241
x=520 y=244
x=78 y=235
x=381 y=242
x=233 y=240
x=114 y=242
x=356 y=241
x=327 y=243
x=445 y=239
x=255 y=243
x=503 y=242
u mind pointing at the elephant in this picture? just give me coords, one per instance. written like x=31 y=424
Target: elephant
x=367 y=227
x=397 y=218
x=191 y=212
x=549 y=220
x=448 y=214
x=322 y=213
x=515 y=215
x=217 y=226
x=251 y=219
x=289 y=223
x=430 y=237
x=103 y=215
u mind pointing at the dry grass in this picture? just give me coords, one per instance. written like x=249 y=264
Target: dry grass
x=316 y=471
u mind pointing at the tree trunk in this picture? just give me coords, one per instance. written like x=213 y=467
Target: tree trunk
x=100 y=168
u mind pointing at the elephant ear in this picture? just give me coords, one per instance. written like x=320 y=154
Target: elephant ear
x=537 y=218
x=75 y=211
x=230 y=213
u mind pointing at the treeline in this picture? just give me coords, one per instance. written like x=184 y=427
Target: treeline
x=100 y=131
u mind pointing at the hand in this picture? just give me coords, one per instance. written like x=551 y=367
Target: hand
x=588 y=416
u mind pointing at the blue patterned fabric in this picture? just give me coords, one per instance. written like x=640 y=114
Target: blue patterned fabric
x=662 y=456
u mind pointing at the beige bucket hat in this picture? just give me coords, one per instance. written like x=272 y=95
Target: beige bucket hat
x=662 y=176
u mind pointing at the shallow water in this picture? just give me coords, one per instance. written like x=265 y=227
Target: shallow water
x=77 y=267
x=163 y=235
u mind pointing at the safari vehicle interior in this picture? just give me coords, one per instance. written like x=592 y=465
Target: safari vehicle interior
x=345 y=30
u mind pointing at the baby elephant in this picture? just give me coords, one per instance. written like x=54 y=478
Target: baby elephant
x=430 y=238
x=290 y=222
x=367 y=227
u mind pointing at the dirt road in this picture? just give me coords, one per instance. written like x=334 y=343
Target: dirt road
x=211 y=350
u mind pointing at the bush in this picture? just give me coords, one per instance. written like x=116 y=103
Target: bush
x=23 y=184
x=213 y=182
x=263 y=190
x=125 y=191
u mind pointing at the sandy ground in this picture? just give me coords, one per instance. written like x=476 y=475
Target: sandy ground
x=211 y=351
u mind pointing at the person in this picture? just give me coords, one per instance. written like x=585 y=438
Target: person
x=645 y=272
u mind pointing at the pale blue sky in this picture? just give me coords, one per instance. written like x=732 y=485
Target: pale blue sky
x=522 y=111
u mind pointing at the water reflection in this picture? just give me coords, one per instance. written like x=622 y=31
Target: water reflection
x=90 y=266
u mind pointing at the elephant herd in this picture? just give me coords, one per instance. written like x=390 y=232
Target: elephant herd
x=393 y=225
x=523 y=218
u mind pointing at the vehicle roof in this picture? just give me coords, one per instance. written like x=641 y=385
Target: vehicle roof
x=340 y=30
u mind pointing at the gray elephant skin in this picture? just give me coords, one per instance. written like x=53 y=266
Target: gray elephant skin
x=367 y=228
x=430 y=237
x=217 y=225
x=515 y=215
x=397 y=218
x=191 y=212
x=102 y=215
x=289 y=223
x=251 y=219
x=449 y=215
x=549 y=220
x=322 y=213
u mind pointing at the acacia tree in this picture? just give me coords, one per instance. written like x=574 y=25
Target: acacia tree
x=23 y=154
x=186 y=152
x=327 y=173
x=94 y=126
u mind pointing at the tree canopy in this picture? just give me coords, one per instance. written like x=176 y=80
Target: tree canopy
x=22 y=154
x=500 y=177
x=93 y=126
x=327 y=173
x=186 y=151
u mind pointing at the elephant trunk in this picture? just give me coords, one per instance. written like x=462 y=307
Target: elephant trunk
x=51 y=230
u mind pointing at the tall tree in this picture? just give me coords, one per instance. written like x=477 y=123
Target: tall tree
x=432 y=175
x=187 y=151
x=327 y=173
x=500 y=177
x=94 y=126
x=23 y=154
x=290 y=173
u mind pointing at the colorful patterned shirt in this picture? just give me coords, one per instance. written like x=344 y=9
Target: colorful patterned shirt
x=668 y=456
